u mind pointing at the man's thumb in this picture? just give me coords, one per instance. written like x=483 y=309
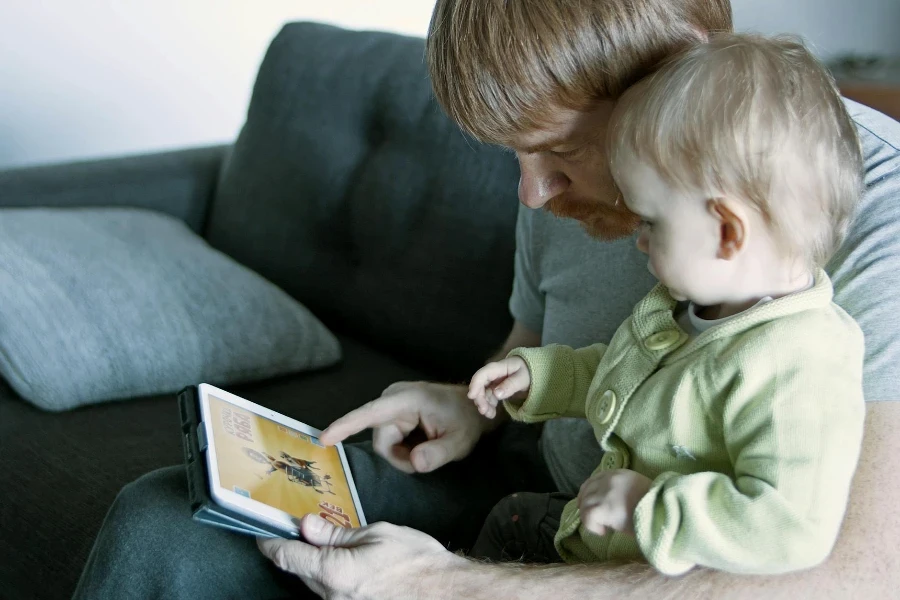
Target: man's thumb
x=319 y=532
x=430 y=455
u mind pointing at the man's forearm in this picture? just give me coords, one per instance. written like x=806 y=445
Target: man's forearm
x=480 y=581
x=639 y=581
x=519 y=337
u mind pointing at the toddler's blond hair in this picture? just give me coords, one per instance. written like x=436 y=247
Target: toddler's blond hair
x=759 y=119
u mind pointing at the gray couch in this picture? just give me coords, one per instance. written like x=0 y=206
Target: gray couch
x=348 y=188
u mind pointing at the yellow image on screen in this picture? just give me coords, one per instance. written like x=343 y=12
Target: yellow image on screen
x=276 y=465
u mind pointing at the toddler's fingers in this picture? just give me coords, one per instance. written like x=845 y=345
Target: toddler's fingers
x=590 y=496
x=516 y=382
x=596 y=484
x=477 y=384
x=594 y=520
x=587 y=488
x=484 y=376
x=490 y=403
x=476 y=387
x=483 y=402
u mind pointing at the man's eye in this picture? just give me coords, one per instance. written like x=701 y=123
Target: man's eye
x=569 y=154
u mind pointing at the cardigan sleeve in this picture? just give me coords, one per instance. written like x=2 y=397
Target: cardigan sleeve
x=560 y=379
x=792 y=425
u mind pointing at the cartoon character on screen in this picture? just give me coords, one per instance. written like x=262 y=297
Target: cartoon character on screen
x=297 y=470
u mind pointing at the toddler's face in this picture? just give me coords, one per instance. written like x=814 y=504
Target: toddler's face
x=677 y=232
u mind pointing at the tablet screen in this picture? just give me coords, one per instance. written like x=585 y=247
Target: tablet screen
x=279 y=466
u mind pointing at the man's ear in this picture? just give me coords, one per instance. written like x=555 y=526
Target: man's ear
x=733 y=226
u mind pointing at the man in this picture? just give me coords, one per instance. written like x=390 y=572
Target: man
x=541 y=77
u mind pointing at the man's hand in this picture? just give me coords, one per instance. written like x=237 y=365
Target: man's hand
x=607 y=500
x=449 y=419
x=378 y=561
x=505 y=379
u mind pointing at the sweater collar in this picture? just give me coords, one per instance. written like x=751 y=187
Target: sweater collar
x=654 y=314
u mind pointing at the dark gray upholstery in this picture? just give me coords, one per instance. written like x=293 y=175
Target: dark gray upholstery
x=348 y=189
x=179 y=183
x=352 y=191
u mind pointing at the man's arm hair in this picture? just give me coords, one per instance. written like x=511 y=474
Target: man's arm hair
x=519 y=337
x=865 y=562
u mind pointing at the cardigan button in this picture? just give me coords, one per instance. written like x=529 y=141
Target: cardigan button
x=607 y=407
x=662 y=340
x=613 y=460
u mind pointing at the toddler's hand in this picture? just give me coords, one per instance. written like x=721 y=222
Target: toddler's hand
x=607 y=500
x=502 y=380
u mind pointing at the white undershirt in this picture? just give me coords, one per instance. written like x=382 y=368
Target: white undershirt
x=694 y=325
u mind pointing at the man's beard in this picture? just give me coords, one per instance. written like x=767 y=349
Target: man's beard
x=600 y=220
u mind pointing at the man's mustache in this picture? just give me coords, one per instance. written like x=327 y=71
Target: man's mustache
x=599 y=219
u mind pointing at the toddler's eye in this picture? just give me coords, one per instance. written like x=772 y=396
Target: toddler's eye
x=645 y=224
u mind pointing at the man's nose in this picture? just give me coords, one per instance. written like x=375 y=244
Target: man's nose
x=539 y=181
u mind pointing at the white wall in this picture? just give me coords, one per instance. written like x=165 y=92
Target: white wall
x=832 y=26
x=87 y=78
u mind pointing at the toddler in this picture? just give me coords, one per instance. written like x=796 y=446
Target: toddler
x=729 y=405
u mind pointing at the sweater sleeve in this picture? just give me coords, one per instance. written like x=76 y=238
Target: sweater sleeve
x=560 y=379
x=793 y=431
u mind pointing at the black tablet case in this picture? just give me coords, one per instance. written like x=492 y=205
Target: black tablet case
x=203 y=505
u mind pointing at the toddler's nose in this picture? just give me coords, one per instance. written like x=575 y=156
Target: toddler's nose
x=643 y=241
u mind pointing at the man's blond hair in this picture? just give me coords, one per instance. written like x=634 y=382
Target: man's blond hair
x=499 y=67
x=757 y=119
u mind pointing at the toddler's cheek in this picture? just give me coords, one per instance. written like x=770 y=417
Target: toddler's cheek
x=652 y=268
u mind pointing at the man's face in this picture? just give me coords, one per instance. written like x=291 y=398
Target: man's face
x=565 y=170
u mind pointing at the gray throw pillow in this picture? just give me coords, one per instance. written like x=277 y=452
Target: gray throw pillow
x=105 y=304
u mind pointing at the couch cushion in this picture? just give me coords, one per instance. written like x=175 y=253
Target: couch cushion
x=351 y=190
x=99 y=304
x=60 y=472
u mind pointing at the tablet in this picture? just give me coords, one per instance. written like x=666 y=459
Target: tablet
x=256 y=471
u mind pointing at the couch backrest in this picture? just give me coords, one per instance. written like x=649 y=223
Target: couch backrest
x=349 y=188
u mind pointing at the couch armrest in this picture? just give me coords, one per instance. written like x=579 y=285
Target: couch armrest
x=180 y=183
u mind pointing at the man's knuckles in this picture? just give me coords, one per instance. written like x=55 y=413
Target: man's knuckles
x=287 y=558
x=395 y=387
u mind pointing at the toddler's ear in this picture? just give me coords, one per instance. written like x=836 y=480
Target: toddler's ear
x=733 y=226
